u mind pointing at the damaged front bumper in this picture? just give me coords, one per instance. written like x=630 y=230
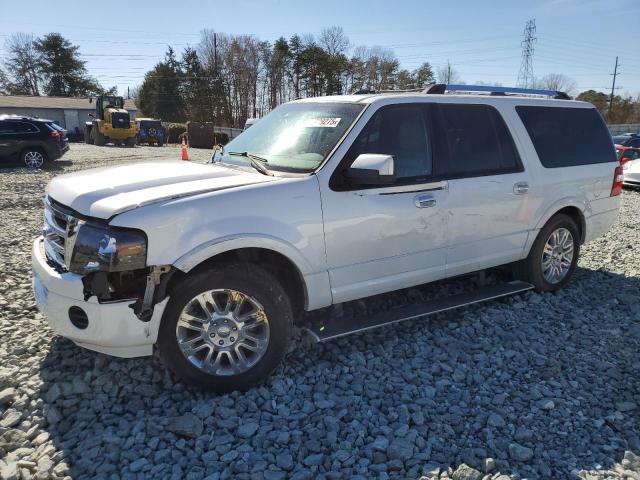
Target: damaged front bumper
x=111 y=327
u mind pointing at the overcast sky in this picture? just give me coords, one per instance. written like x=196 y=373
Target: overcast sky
x=580 y=38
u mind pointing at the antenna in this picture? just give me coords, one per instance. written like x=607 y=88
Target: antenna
x=525 y=76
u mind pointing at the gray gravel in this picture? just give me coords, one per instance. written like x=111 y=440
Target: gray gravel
x=534 y=386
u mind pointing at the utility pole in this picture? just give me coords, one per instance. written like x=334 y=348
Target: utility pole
x=525 y=76
x=128 y=93
x=613 y=86
x=448 y=72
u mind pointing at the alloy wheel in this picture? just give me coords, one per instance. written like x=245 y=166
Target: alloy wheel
x=557 y=256
x=33 y=159
x=223 y=332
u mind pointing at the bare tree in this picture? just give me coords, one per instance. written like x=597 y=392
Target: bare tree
x=24 y=64
x=4 y=83
x=558 y=82
x=334 y=41
x=447 y=74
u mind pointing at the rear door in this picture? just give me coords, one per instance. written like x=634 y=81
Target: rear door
x=488 y=204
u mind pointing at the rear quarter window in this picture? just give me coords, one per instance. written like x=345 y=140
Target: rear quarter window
x=566 y=137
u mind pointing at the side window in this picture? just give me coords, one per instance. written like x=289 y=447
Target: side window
x=24 y=127
x=8 y=127
x=473 y=140
x=400 y=131
x=635 y=143
x=565 y=136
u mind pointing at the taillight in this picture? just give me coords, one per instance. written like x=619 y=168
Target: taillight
x=616 y=188
x=54 y=134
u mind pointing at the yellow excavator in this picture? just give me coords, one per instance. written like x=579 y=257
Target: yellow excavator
x=111 y=123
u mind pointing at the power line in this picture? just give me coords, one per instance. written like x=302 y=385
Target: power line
x=525 y=76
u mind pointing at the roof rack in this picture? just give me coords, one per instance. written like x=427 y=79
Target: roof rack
x=441 y=88
x=370 y=91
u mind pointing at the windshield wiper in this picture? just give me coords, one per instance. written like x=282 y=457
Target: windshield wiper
x=257 y=162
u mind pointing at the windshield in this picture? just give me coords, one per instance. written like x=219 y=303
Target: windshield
x=295 y=137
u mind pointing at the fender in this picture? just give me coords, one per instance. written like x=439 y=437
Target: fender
x=215 y=247
x=317 y=286
x=582 y=204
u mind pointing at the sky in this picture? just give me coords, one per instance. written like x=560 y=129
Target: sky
x=482 y=40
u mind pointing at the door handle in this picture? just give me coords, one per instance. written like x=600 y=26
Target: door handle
x=425 y=201
x=521 y=188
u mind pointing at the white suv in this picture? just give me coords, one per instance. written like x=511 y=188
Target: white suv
x=323 y=201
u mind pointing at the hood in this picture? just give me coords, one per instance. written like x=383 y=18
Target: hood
x=105 y=192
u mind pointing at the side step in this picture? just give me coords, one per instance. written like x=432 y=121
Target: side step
x=334 y=328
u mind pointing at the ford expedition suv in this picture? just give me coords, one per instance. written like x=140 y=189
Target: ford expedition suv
x=324 y=201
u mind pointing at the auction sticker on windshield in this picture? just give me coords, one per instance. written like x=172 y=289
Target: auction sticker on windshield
x=322 y=122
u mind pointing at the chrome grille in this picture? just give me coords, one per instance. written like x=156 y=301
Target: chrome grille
x=55 y=231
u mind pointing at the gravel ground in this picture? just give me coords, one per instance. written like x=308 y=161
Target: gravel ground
x=534 y=386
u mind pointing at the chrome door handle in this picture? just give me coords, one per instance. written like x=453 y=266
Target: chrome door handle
x=521 y=188
x=425 y=201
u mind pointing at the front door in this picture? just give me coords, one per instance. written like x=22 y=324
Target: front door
x=386 y=237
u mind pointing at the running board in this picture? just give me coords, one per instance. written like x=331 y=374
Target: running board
x=335 y=328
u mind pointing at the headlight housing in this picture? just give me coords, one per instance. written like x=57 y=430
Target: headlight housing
x=92 y=247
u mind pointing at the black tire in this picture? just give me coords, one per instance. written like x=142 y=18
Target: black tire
x=249 y=280
x=160 y=143
x=100 y=140
x=33 y=157
x=130 y=142
x=531 y=268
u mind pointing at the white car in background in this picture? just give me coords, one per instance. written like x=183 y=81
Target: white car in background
x=323 y=201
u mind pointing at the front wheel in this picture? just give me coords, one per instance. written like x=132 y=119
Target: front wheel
x=554 y=254
x=226 y=329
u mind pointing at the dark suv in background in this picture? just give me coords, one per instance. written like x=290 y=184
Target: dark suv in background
x=32 y=141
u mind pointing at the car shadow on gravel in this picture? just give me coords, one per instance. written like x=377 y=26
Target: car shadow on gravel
x=544 y=385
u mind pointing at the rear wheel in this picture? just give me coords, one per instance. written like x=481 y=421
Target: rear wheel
x=226 y=329
x=554 y=255
x=33 y=158
x=130 y=142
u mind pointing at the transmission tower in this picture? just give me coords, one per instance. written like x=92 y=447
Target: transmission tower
x=525 y=76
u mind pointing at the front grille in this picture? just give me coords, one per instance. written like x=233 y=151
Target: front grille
x=55 y=231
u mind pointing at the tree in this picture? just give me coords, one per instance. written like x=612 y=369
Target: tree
x=24 y=64
x=4 y=83
x=423 y=75
x=160 y=94
x=334 y=41
x=558 y=82
x=448 y=75
x=195 y=88
x=63 y=73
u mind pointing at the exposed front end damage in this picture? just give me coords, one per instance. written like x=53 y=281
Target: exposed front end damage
x=144 y=288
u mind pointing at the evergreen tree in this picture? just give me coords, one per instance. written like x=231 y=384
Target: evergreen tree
x=160 y=94
x=63 y=72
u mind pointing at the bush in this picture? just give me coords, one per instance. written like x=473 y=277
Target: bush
x=175 y=130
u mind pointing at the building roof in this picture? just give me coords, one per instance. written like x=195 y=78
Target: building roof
x=72 y=103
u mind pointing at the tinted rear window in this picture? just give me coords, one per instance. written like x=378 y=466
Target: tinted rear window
x=474 y=140
x=565 y=137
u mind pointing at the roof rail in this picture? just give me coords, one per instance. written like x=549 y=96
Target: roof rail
x=369 y=91
x=441 y=88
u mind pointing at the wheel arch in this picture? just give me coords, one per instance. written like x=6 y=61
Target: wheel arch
x=573 y=208
x=279 y=262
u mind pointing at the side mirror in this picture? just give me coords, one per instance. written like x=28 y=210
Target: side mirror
x=371 y=169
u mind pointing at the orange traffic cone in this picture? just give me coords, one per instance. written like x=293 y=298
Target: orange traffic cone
x=185 y=154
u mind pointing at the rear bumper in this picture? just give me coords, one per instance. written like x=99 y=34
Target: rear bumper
x=56 y=151
x=631 y=179
x=112 y=328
